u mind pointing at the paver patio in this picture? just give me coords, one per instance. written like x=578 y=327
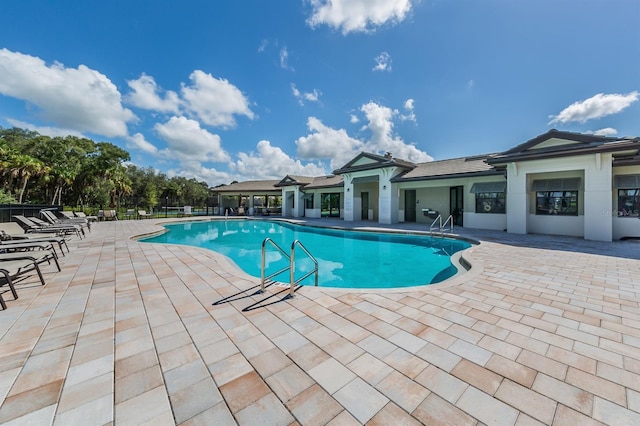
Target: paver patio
x=541 y=330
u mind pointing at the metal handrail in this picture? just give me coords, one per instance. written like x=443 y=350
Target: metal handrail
x=293 y=282
x=264 y=244
x=290 y=268
x=442 y=226
x=432 y=227
x=450 y=221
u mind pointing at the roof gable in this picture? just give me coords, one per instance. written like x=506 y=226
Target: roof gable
x=558 y=139
x=369 y=161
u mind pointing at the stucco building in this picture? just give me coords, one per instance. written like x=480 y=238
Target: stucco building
x=560 y=183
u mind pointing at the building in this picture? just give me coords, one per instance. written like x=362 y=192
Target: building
x=558 y=183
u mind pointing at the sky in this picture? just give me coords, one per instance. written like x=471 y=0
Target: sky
x=226 y=91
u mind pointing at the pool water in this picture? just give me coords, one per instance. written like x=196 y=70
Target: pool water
x=347 y=259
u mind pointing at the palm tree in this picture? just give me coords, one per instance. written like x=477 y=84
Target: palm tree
x=25 y=167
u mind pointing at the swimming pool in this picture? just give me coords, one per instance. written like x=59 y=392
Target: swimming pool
x=347 y=259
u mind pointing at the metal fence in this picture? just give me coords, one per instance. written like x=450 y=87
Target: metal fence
x=30 y=210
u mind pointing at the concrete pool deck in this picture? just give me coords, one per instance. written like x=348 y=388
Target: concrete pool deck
x=543 y=330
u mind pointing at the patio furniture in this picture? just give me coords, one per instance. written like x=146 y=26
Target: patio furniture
x=36 y=225
x=12 y=269
x=11 y=232
x=142 y=214
x=50 y=217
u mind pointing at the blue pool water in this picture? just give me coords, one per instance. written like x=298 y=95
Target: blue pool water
x=347 y=259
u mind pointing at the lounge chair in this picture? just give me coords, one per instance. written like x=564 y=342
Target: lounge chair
x=110 y=214
x=11 y=232
x=50 y=217
x=38 y=256
x=36 y=225
x=82 y=215
x=241 y=211
x=12 y=269
x=142 y=214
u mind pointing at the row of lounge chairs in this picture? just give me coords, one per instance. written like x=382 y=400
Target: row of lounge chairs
x=28 y=243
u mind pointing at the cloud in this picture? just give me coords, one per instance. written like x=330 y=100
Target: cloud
x=357 y=15
x=80 y=99
x=380 y=124
x=271 y=162
x=353 y=119
x=284 y=59
x=409 y=108
x=138 y=141
x=195 y=170
x=187 y=141
x=383 y=62
x=607 y=131
x=308 y=96
x=146 y=95
x=595 y=107
x=45 y=130
x=326 y=143
x=214 y=101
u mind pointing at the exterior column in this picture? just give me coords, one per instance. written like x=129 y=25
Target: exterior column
x=348 y=198
x=517 y=202
x=598 y=225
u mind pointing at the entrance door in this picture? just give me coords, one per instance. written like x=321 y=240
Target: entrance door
x=365 y=206
x=456 y=204
x=410 y=205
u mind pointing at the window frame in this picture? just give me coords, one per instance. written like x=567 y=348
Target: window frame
x=555 y=205
x=491 y=202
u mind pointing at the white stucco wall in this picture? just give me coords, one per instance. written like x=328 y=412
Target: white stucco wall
x=594 y=197
x=495 y=221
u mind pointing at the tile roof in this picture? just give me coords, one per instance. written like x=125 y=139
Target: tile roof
x=449 y=168
x=249 y=186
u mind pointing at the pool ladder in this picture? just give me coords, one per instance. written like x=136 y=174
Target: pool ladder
x=441 y=227
x=291 y=268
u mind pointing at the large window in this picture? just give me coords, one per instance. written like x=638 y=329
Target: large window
x=308 y=201
x=557 y=196
x=564 y=203
x=628 y=195
x=629 y=202
x=490 y=197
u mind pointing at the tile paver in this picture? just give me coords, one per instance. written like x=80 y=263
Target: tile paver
x=543 y=331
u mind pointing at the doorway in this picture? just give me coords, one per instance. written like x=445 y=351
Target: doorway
x=365 y=206
x=456 y=204
x=410 y=205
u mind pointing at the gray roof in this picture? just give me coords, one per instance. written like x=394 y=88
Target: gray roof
x=325 y=182
x=455 y=167
x=583 y=144
x=250 y=186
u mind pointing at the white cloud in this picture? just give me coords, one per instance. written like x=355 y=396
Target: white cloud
x=357 y=15
x=80 y=98
x=597 y=106
x=271 y=162
x=138 y=141
x=607 y=131
x=146 y=95
x=410 y=115
x=215 y=101
x=45 y=130
x=194 y=169
x=353 y=119
x=326 y=143
x=383 y=62
x=308 y=96
x=380 y=125
x=187 y=141
x=284 y=59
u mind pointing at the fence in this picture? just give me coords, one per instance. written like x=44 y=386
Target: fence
x=30 y=210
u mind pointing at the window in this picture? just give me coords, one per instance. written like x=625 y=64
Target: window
x=562 y=203
x=490 y=202
x=308 y=201
x=628 y=195
x=629 y=202
x=557 y=196
x=490 y=197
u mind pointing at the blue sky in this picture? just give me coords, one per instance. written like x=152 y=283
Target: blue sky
x=256 y=89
